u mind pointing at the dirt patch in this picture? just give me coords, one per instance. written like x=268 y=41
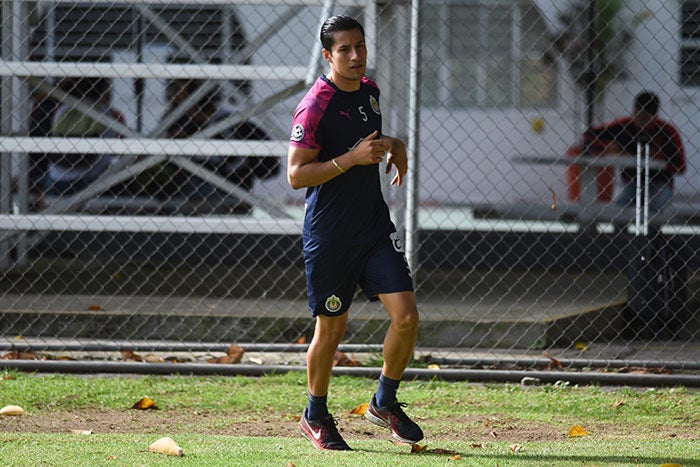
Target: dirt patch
x=285 y=425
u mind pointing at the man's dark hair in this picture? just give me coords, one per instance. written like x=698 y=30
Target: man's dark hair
x=647 y=101
x=336 y=24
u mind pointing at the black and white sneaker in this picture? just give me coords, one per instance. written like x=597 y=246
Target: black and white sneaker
x=323 y=433
x=393 y=417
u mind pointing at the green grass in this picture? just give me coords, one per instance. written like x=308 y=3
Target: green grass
x=203 y=450
x=627 y=426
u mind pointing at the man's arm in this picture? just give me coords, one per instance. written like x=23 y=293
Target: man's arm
x=397 y=157
x=303 y=170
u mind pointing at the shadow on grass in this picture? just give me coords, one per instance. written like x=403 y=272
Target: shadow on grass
x=547 y=458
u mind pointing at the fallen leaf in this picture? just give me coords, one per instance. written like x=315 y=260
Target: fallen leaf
x=145 y=403
x=235 y=352
x=441 y=451
x=94 y=307
x=111 y=458
x=64 y=358
x=17 y=355
x=359 y=409
x=301 y=340
x=11 y=410
x=515 y=447
x=341 y=359
x=166 y=446
x=456 y=457
x=644 y=371
x=433 y=366
x=581 y=346
x=225 y=359
x=7 y=377
x=576 y=431
x=618 y=403
x=418 y=447
x=130 y=356
x=478 y=445
x=671 y=465
x=494 y=434
x=553 y=364
x=81 y=432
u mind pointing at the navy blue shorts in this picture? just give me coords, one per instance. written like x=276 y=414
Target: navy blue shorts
x=333 y=273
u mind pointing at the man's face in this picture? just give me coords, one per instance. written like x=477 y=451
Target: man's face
x=348 y=59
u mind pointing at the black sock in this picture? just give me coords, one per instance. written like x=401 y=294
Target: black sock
x=317 y=408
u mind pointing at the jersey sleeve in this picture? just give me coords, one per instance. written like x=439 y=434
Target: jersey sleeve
x=305 y=128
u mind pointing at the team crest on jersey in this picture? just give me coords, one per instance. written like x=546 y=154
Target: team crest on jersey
x=333 y=304
x=374 y=104
x=298 y=132
x=396 y=242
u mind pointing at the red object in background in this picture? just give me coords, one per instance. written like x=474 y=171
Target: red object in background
x=605 y=179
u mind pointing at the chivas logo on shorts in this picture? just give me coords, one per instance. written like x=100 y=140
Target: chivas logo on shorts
x=333 y=304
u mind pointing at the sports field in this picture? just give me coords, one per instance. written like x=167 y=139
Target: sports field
x=91 y=420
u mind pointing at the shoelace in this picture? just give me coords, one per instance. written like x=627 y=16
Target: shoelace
x=331 y=424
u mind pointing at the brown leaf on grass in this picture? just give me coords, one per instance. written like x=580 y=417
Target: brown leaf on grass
x=166 y=446
x=130 y=356
x=515 y=447
x=359 y=409
x=341 y=359
x=145 y=403
x=553 y=364
x=493 y=433
x=235 y=352
x=6 y=377
x=418 y=447
x=577 y=431
x=478 y=445
x=618 y=403
x=456 y=457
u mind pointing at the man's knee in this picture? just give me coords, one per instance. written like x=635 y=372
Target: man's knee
x=407 y=320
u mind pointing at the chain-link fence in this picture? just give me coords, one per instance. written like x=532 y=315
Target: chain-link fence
x=144 y=201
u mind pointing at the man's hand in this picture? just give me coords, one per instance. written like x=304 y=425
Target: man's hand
x=370 y=150
x=397 y=157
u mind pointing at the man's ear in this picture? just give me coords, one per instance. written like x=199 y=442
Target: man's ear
x=327 y=55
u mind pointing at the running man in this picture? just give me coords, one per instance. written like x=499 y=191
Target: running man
x=335 y=149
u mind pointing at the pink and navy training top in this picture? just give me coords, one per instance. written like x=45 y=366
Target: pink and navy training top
x=350 y=208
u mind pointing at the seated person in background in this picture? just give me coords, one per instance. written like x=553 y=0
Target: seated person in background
x=621 y=137
x=168 y=180
x=70 y=173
